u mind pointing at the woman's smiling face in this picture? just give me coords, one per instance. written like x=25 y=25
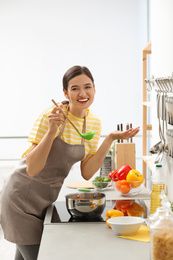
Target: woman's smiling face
x=81 y=91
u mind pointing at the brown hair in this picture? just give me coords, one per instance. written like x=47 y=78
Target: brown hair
x=73 y=72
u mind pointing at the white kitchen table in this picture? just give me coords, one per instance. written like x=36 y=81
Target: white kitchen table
x=88 y=240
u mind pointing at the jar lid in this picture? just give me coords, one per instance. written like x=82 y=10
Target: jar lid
x=163 y=212
x=163 y=223
x=158 y=165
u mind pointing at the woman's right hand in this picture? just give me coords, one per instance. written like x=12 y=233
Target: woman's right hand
x=56 y=118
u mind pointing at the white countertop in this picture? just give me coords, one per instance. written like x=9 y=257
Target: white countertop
x=112 y=194
x=88 y=240
x=76 y=240
x=83 y=240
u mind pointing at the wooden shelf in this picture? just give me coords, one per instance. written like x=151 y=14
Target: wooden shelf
x=149 y=127
x=148 y=161
x=147 y=48
x=147 y=104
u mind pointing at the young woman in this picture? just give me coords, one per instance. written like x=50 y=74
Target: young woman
x=55 y=147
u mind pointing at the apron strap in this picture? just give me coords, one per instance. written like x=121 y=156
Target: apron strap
x=63 y=126
x=84 y=130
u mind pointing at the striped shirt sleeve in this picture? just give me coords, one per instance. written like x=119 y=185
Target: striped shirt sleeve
x=40 y=127
x=69 y=135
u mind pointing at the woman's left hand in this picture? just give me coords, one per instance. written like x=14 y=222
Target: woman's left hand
x=91 y=164
x=126 y=134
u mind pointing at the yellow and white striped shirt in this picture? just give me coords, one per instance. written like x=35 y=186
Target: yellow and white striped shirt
x=69 y=134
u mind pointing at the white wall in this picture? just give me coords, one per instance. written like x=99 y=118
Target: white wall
x=162 y=63
x=162 y=48
x=41 y=39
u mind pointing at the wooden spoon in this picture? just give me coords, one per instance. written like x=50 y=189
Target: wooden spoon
x=87 y=136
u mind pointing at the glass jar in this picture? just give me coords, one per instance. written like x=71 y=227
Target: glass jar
x=161 y=239
x=161 y=231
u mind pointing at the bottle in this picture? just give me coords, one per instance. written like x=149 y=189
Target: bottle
x=158 y=184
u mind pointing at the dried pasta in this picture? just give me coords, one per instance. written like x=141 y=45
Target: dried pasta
x=162 y=245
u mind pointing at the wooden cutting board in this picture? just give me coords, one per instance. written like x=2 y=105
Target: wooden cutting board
x=82 y=184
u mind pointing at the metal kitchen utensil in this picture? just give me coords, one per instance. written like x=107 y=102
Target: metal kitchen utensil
x=161 y=144
x=86 y=204
x=164 y=150
x=169 y=109
x=121 y=125
x=164 y=112
x=159 y=156
x=118 y=129
x=87 y=136
x=171 y=142
x=131 y=139
x=156 y=148
x=127 y=128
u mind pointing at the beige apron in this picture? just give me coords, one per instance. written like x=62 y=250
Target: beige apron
x=25 y=199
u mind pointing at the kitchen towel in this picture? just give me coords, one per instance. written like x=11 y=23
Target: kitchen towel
x=142 y=235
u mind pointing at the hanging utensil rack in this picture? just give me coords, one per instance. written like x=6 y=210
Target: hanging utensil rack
x=162 y=84
x=164 y=88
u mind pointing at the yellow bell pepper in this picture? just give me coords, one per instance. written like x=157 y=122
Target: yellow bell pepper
x=135 y=210
x=135 y=178
x=113 y=213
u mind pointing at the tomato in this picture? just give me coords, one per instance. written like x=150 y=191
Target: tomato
x=125 y=188
x=118 y=185
x=123 y=204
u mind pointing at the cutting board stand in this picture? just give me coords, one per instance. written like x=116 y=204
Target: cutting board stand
x=125 y=153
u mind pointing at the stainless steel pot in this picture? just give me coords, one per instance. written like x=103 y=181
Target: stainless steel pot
x=86 y=205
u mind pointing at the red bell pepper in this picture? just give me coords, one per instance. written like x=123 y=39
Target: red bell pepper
x=122 y=172
x=113 y=176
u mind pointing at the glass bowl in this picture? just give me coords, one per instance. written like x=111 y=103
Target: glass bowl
x=100 y=186
x=131 y=207
x=130 y=188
